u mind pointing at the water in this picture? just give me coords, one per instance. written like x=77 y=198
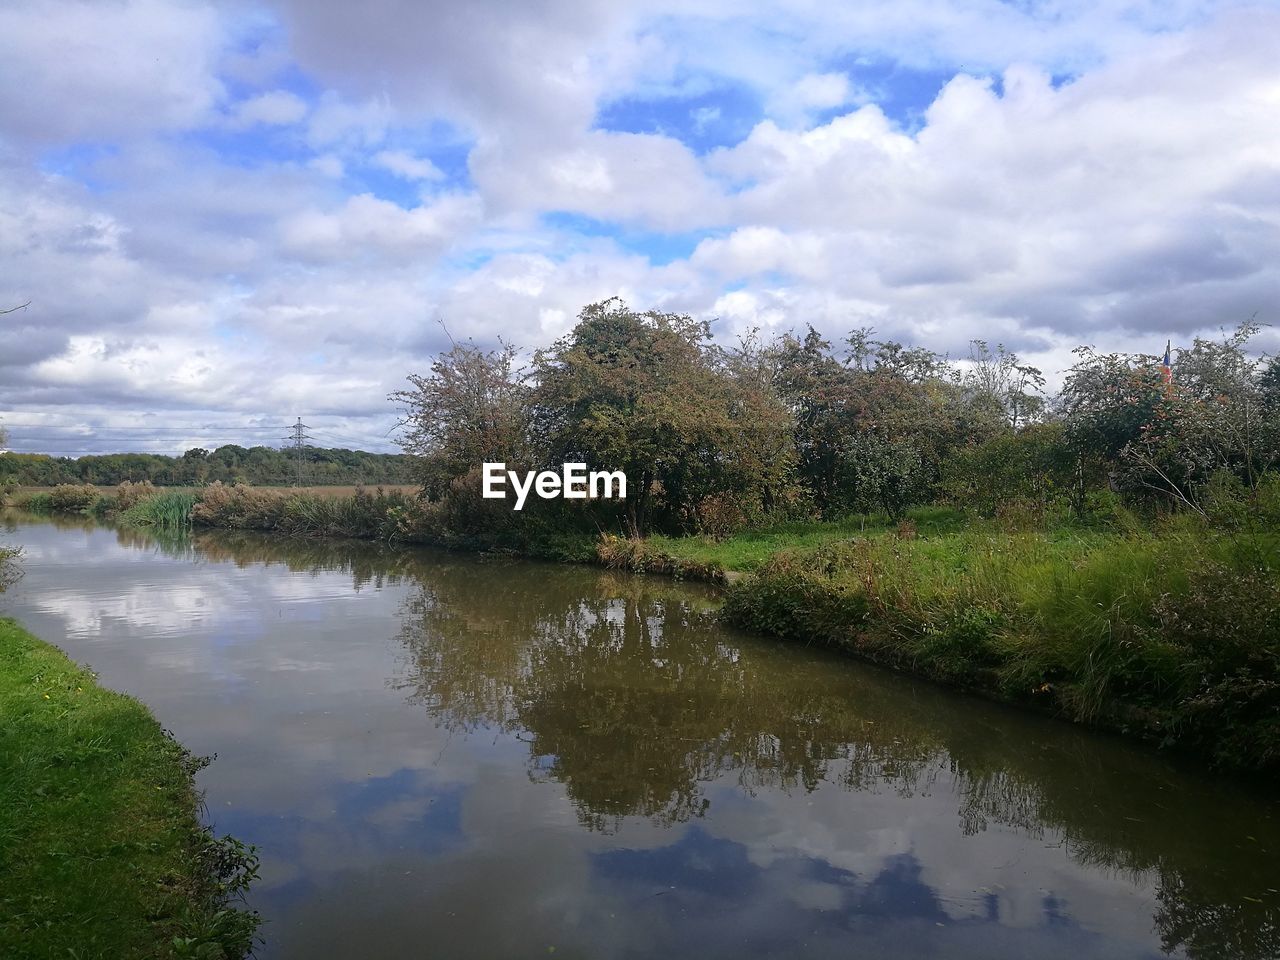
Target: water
x=439 y=756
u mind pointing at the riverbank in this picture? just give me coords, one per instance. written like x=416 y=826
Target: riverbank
x=1164 y=628
x=102 y=853
x=1171 y=633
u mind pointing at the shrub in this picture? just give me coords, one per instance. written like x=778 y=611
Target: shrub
x=718 y=516
x=9 y=570
x=130 y=494
x=1226 y=631
x=239 y=507
x=640 y=556
x=73 y=498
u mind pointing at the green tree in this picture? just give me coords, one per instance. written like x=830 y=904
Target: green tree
x=643 y=393
x=761 y=457
x=873 y=432
x=1216 y=415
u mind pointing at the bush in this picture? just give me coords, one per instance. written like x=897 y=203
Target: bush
x=380 y=515
x=1226 y=631
x=170 y=510
x=130 y=494
x=239 y=507
x=719 y=516
x=1032 y=467
x=640 y=556
x=9 y=570
x=73 y=497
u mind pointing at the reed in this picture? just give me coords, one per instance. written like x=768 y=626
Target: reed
x=170 y=510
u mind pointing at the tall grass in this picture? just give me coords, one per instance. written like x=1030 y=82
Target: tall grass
x=170 y=510
x=751 y=547
x=364 y=515
x=1172 y=631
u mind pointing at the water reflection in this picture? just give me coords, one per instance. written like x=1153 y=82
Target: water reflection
x=493 y=758
x=636 y=700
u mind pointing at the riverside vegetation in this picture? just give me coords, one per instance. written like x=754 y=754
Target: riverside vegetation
x=102 y=854
x=102 y=850
x=1111 y=554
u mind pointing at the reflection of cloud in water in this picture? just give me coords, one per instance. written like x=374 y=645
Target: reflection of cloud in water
x=491 y=759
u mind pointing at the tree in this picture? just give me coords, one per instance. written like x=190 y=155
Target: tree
x=873 y=432
x=643 y=393
x=471 y=408
x=1217 y=414
x=1000 y=375
x=1218 y=417
x=762 y=455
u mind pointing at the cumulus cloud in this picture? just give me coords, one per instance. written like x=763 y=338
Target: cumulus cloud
x=365 y=226
x=1104 y=172
x=406 y=165
x=95 y=71
x=274 y=108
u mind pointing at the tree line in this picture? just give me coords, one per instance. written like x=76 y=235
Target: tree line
x=715 y=438
x=228 y=464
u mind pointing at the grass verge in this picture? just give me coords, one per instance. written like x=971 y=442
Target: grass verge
x=1170 y=632
x=750 y=549
x=102 y=853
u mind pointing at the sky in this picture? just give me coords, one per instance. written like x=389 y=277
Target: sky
x=227 y=216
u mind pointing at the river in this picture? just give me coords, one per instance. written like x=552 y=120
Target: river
x=440 y=755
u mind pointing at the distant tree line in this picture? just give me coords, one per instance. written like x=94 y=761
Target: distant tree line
x=714 y=438
x=228 y=464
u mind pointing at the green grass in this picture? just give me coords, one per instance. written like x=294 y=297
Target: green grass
x=102 y=854
x=750 y=549
x=1171 y=630
x=170 y=510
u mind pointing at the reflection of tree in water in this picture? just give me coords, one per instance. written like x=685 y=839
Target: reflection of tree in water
x=627 y=691
x=632 y=697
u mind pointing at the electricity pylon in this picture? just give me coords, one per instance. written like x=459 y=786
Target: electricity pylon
x=299 y=438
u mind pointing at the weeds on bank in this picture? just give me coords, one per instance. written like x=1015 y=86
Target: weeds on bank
x=1172 y=630
x=364 y=514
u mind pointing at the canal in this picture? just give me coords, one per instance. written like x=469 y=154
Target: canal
x=441 y=755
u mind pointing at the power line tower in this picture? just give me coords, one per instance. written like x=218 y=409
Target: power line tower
x=299 y=437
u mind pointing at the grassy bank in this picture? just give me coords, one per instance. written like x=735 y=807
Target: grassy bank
x=750 y=549
x=1169 y=631
x=102 y=854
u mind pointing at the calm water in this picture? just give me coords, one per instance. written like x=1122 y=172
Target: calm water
x=439 y=756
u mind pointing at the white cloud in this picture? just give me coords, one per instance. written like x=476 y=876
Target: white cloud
x=95 y=71
x=365 y=225
x=336 y=121
x=645 y=179
x=276 y=108
x=406 y=165
x=1137 y=199
x=813 y=92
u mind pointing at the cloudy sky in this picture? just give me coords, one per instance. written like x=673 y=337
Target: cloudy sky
x=228 y=215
